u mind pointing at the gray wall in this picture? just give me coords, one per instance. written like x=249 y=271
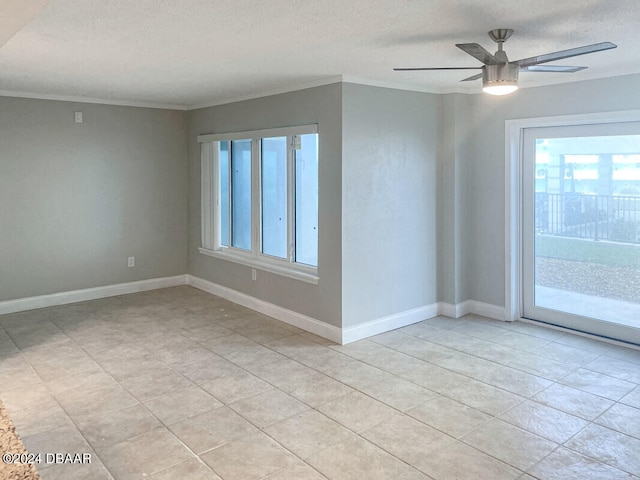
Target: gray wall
x=77 y=199
x=389 y=170
x=486 y=172
x=321 y=105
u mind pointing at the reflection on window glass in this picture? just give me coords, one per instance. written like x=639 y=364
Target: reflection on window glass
x=274 y=196
x=241 y=194
x=224 y=193
x=306 y=200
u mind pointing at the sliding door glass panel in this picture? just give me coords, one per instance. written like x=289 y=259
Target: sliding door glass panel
x=306 y=198
x=224 y=193
x=241 y=194
x=584 y=228
x=273 y=189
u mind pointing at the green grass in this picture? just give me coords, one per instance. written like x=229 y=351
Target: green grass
x=590 y=251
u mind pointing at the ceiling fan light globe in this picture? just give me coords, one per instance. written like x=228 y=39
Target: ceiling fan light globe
x=500 y=79
x=500 y=88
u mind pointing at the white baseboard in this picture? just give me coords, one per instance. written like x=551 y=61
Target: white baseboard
x=283 y=314
x=331 y=332
x=471 y=306
x=391 y=322
x=496 y=312
x=454 y=310
x=63 y=298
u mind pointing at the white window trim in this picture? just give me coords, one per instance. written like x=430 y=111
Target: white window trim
x=210 y=206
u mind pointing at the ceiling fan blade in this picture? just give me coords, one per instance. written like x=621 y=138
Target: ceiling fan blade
x=479 y=52
x=473 y=77
x=551 y=68
x=572 y=52
x=436 y=68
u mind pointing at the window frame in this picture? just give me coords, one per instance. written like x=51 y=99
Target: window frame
x=211 y=214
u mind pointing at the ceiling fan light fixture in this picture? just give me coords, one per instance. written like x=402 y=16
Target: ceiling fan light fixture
x=500 y=79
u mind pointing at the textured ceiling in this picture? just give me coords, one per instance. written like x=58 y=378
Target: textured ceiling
x=188 y=53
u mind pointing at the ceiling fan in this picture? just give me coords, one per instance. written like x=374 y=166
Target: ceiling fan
x=500 y=76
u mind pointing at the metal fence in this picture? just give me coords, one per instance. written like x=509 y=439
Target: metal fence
x=596 y=217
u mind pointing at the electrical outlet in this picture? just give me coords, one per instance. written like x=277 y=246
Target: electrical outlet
x=253 y=274
x=77 y=116
x=131 y=261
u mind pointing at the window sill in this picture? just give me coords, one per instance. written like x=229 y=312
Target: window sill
x=250 y=261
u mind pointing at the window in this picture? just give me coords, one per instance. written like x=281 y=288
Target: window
x=260 y=199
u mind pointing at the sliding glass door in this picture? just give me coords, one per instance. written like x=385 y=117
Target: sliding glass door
x=581 y=228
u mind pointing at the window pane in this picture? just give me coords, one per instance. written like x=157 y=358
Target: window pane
x=306 y=191
x=241 y=194
x=224 y=193
x=274 y=196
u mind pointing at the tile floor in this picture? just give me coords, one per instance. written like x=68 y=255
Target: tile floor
x=179 y=384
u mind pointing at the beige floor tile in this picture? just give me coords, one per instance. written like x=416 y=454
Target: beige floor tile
x=108 y=428
x=622 y=418
x=297 y=472
x=435 y=378
x=448 y=416
x=76 y=471
x=269 y=333
x=598 y=384
x=398 y=393
x=356 y=411
x=207 y=370
x=621 y=369
x=358 y=374
x=407 y=438
x=249 y=458
x=324 y=359
x=308 y=433
x=144 y=455
x=521 y=341
x=458 y=461
x=151 y=385
x=253 y=356
x=281 y=372
x=182 y=404
x=316 y=389
x=229 y=344
x=268 y=407
x=66 y=439
x=393 y=361
x=106 y=399
x=42 y=417
x=573 y=401
x=464 y=363
x=544 y=421
x=510 y=444
x=540 y=366
x=451 y=376
x=62 y=366
x=25 y=397
x=88 y=380
x=235 y=387
x=483 y=397
x=212 y=429
x=632 y=398
x=193 y=469
x=563 y=464
x=608 y=446
x=205 y=333
x=567 y=354
x=357 y=459
x=514 y=381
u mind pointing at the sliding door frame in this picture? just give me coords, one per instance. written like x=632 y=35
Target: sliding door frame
x=514 y=150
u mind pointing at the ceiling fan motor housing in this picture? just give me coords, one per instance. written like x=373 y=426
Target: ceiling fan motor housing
x=504 y=74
